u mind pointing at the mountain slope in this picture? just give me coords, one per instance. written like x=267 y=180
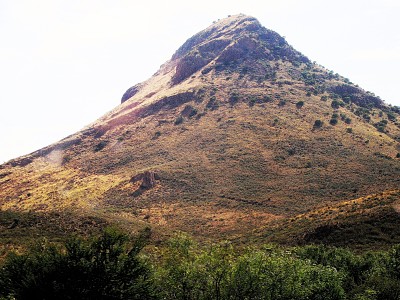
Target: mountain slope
x=236 y=131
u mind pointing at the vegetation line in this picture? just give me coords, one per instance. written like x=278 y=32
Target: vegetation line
x=114 y=266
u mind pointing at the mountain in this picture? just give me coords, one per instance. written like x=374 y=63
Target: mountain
x=237 y=132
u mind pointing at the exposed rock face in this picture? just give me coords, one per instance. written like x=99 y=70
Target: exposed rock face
x=232 y=45
x=148 y=179
x=130 y=92
x=356 y=95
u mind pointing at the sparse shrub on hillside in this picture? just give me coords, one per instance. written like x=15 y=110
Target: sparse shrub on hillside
x=335 y=104
x=252 y=101
x=381 y=125
x=234 y=98
x=395 y=109
x=189 y=111
x=318 y=124
x=349 y=130
x=324 y=98
x=333 y=121
x=364 y=113
x=308 y=77
x=212 y=103
x=346 y=99
x=282 y=103
x=391 y=116
x=66 y=159
x=300 y=104
x=366 y=117
x=178 y=120
x=267 y=98
x=100 y=146
x=157 y=134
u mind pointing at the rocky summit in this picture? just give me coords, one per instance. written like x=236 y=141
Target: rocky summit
x=237 y=136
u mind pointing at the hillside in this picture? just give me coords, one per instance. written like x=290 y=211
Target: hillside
x=237 y=131
x=368 y=222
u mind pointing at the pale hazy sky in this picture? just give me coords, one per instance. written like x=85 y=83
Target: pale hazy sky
x=63 y=63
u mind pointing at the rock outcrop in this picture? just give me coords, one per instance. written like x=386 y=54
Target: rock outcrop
x=148 y=179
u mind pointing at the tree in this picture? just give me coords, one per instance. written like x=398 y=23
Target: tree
x=104 y=268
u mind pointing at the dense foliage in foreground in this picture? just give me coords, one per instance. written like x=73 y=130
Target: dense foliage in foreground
x=111 y=267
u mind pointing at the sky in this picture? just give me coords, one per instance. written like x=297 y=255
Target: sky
x=63 y=64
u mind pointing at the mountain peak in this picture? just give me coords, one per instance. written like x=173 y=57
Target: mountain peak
x=231 y=43
x=226 y=27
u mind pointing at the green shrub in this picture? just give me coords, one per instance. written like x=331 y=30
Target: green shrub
x=218 y=272
x=104 y=268
x=381 y=125
x=234 y=98
x=333 y=121
x=318 y=124
x=335 y=104
x=212 y=103
x=391 y=116
x=100 y=146
x=300 y=104
x=282 y=103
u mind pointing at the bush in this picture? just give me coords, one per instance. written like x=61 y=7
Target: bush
x=318 y=124
x=218 y=272
x=300 y=104
x=391 y=116
x=105 y=268
x=234 y=98
x=282 y=103
x=333 y=121
x=335 y=104
x=262 y=275
x=381 y=125
x=100 y=146
x=212 y=103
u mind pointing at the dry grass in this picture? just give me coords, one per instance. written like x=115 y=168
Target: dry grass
x=370 y=222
